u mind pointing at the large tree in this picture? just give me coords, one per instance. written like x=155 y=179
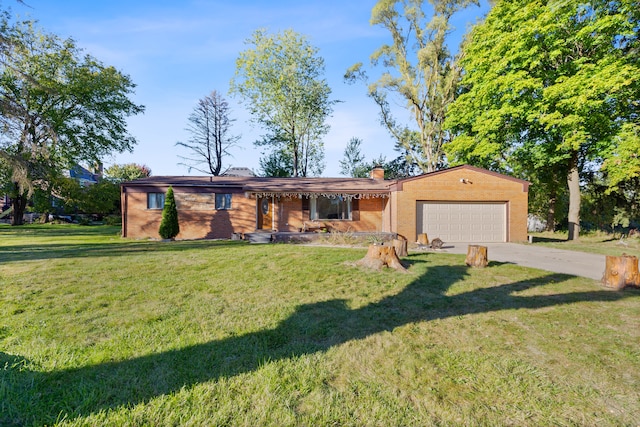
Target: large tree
x=556 y=83
x=419 y=71
x=280 y=79
x=209 y=126
x=58 y=107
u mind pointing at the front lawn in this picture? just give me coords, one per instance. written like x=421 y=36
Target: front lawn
x=97 y=330
x=595 y=242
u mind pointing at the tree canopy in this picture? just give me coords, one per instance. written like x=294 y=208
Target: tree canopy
x=419 y=70
x=58 y=107
x=549 y=88
x=280 y=79
x=127 y=172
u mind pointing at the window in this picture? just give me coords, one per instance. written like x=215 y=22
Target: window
x=155 y=200
x=223 y=201
x=330 y=208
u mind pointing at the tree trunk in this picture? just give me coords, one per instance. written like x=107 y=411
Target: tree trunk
x=400 y=245
x=573 y=182
x=621 y=271
x=476 y=256
x=19 y=203
x=551 y=212
x=379 y=256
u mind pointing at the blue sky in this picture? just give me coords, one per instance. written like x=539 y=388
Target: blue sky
x=177 y=52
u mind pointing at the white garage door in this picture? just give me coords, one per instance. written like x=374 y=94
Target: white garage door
x=463 y=222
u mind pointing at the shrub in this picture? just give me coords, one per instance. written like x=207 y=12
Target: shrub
x=169 y=227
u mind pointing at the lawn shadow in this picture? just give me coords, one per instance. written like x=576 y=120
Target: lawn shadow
x=119 y=248
x=537 y=239
x=310 y=329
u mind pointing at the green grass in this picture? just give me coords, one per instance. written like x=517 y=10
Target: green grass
x=97 y=330
x=596 y=242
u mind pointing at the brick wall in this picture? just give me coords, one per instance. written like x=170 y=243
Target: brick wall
x=197 y=214
x=199 y=219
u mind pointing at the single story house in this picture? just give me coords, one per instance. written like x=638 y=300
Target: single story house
x=460 y=204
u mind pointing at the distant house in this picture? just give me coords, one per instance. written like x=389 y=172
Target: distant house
x=85 y=176
x=238 y=171
x=460 y=204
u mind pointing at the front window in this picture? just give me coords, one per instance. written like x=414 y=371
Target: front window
x=223 y=201
x=330 y=208
x=155 y=200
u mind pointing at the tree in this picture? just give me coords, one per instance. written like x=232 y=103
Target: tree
x=58 y=107
x=127 y=172
x=169 y=225
x=280 y=78
x=554 y=82
x=209 y=126
x=353 y=163
x=420 y=71
x=101 y=198
x=278 y=164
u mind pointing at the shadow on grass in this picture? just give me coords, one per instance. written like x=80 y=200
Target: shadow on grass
x=60 y=230
x=37 y=398
x=538 y=239
x=118 y=248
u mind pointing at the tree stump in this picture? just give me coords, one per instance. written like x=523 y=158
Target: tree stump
x=621 y=271
x=400 y=246
x=379 y=256
x=476 y=256
x=423 y=240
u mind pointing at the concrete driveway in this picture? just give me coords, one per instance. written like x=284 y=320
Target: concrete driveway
x=544 y=258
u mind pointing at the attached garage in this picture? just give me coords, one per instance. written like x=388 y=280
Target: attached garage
x=460 y=204
x=462 y=222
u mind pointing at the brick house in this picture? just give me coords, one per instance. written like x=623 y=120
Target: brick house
x=460 y=204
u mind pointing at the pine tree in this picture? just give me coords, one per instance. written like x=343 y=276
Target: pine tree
x=169 y=227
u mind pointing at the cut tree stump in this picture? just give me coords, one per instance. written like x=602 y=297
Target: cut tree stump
x=423 y=240
x=477 y=256
x=400 y=246
x=379 y=256
x=621 y=271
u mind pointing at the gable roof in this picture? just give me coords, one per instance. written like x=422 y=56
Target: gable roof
x=525 y=184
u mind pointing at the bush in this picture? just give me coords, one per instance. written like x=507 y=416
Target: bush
x=169 y=226
x=113 y=220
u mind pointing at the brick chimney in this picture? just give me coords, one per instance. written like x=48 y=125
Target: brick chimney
x=377 y=173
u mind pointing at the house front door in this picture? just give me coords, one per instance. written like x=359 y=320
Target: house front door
x=265 y=214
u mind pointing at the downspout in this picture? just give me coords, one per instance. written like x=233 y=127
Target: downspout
x=257 y=213
x=125 y=212
x=381 y=214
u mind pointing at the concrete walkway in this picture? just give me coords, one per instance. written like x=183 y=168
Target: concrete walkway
x=544 y=258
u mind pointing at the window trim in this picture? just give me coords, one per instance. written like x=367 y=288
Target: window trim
x=227 y=201
x=155 y=195
x=314 y=215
